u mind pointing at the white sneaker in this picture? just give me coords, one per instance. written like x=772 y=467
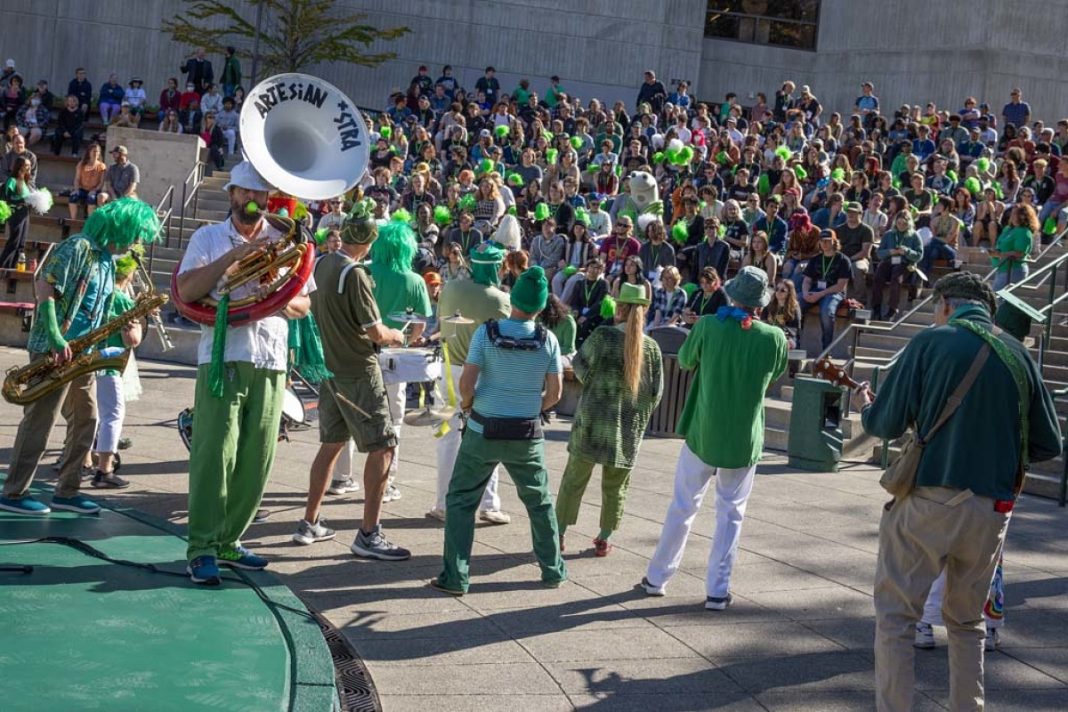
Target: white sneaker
x=650 y=589
x=310 y=533
x=494 y=516
x=343 y=486
x=436 y=513
x=992 y=640
x=391 y=494
x=924 y=639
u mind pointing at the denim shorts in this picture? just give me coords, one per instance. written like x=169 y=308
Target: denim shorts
x=84 y=197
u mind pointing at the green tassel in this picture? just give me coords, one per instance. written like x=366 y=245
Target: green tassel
x=306 y=345
x=218 y=348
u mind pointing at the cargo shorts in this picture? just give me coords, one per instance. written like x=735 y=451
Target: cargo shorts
x=338 y=421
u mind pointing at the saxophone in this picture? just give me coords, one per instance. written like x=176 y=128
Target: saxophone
x=25 y=384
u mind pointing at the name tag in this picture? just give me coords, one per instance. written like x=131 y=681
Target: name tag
x=895 y=260
x=821 y=285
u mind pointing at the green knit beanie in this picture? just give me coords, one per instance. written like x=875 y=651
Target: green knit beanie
x=531 y=291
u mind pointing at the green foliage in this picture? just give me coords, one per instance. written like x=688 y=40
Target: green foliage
x=296 y=34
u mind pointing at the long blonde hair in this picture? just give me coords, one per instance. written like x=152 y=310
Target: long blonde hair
x=633 y=345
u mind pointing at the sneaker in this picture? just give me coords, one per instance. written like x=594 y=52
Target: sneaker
x=494 y=516
x=261 y=515
x=553 y=583
x=715 y=603
x=24 y=505
x=109 y=480
x=992 y=640
x=310 y=533
x=436 y=513
x=88 y=473
x=924 y=639
x=601 y=547
x=345 y=485
x=391 y=494
x=204 y=570
x=78 y=503
x=125 y=443
x=650 y=589
x=376 y=546
x=242 y=558
x=437 y=585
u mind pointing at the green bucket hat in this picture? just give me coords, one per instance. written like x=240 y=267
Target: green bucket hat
x=632 y=294
x=531 y=291
x=749 y=288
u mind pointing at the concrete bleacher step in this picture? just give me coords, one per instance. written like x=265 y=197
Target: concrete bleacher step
x=777 y=416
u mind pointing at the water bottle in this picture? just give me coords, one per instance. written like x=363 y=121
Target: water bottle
x=21 y=266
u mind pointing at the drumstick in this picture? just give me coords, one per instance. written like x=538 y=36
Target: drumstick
x=342 y=399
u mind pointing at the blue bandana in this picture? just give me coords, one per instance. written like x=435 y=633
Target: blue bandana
x=724 y=313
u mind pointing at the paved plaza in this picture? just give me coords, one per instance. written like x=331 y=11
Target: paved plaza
x=798 y=637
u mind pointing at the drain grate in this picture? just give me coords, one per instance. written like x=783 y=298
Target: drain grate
x=355 y=688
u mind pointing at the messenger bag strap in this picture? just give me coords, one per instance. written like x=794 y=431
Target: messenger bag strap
x=965 y=385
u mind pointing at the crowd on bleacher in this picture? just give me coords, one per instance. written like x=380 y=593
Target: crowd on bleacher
x=841 y=209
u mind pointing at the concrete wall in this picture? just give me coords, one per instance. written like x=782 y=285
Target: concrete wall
x=163 y=159
x=914 y=50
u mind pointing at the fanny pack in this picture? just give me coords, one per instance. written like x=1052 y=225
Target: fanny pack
x=509 y=428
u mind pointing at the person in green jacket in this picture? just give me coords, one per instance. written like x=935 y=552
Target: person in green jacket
x=622 y=378
x=899 y=252
x=1013 y=247
x=968 y=479
x=231 y=73
x=723 y=423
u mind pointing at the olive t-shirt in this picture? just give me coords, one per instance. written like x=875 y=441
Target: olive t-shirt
x=344 y=318
x=477 y=302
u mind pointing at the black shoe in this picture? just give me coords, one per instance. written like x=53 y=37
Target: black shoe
x=108 y=480
x=125 y=443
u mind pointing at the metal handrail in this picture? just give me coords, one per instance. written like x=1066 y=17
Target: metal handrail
x=190 y=196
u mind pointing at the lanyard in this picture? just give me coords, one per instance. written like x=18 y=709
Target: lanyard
x=704 y=302
x=825 y=264
x=589 y=290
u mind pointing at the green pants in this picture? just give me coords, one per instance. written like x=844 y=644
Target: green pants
x=231 y=454
x=525 y=462
x=614 y=481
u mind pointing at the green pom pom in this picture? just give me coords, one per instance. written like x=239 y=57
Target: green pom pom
x=576 y=142
x=763 y=184
x=550 y=155
x=608 y=307
x=723 y=158
x=541 y=211
x=582 y=216
x=689 y=288
x=385 y=132
x=485 y=166
x=515 y=179
x=501 y=131
x=838 y=174
x=442 y=216
x=401 y=215
x=320 y=235
x=684 y=156
x=122 y=222
x=5 y=212
x=658 y=157
x=680 y=232
x=570 y=270
x=953 y=176
x=1050 y=227
x=672 y=155
x=547 y=134
x=251 y=207
x=783 y=152
x=973 y=186
x=511 y=211
x=998 y=191
x=983 y=164
x=801 y=173
x=467 y=202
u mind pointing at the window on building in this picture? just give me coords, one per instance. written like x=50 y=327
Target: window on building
x=785 y=23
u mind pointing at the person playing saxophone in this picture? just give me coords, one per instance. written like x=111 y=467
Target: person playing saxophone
x=74 y=294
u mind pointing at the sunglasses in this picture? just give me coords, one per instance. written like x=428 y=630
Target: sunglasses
x=781 y=290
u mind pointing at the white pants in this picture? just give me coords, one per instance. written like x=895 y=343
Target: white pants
x=231 y=140
x=563 y=286
x=932 y=607
x=110 y=412
x=692 y=477
x=397 y=400
x=449 y=446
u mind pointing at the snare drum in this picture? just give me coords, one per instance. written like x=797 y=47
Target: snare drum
x=292 y=409
x=413 y=365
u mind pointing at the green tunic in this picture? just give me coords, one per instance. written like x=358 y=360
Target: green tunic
x=609 y=423
x=723 y=419
x=565 y=334
x=478 y=302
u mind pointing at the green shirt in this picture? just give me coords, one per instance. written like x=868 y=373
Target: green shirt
x=344 y=318
x=723 y=419
x=979 y=447
x=1012 y=239
x=120 y=304
x=565 y=333
x=397 y=292
x=609 y=422
x=478 y=302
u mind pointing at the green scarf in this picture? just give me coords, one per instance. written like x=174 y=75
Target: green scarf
x=306 y=349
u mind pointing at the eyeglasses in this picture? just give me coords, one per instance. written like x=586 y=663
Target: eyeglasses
x=781 y=290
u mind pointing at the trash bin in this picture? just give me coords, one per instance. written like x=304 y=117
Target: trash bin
x=665 y=417
x=815 y=442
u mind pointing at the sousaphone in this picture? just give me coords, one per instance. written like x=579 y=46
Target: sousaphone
x=307 y=139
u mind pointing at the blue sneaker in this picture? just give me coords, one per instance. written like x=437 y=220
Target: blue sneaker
x=24 y=505
x=204 y=570
x=77 y=503
x=242 y=558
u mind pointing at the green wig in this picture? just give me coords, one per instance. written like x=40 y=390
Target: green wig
x=394 y=249
x=124 y=266
x=121 y=223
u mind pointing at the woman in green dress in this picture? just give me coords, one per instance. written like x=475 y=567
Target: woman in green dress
x=621 y=372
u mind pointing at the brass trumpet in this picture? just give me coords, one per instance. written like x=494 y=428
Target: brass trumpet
x=42 y=376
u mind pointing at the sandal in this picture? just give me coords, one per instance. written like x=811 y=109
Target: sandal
x=601 y=547
x=108 y=480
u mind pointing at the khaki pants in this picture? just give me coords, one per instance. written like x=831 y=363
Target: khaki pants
x=932 y=528
x=858 y=287
x=79 y=409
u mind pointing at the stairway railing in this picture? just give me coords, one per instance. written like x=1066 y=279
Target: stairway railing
x=169 y=213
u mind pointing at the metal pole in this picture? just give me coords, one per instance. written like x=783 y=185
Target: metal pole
x=256 y=43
